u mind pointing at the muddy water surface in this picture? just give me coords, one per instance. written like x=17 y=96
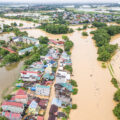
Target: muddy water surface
x=115 y=62
x=95 y=96
x=8 y=75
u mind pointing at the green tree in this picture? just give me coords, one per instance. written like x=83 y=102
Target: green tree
x=84 y=33
x=104 y=56
x=74 y=106
x=68 y=68
x=116 y=111
x=3 y=52
x=84 y=27
x=117 y=95
x=64 y=37
x=114 y=82
x=68 y=45
x=3 y=118
x=43 y=40
x=75 y=91
x=56 y=28
x=10 y=58
x=73 y=83
x=20 y=24
x=99 y=24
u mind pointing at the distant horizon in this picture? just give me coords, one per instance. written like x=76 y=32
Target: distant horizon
x=60 y=1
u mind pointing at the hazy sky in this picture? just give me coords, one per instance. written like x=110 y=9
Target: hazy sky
x=56 y=1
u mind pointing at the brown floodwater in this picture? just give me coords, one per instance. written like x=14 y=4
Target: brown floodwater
x=25 y=23
x=95 y=96
x=115 y=62
x=8 y=75
x=6 y=36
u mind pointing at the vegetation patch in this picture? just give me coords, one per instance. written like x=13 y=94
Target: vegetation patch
x=73 y=83
x=74 y=106
x=84 y=33
x=75 y=91
x=102 y=37
x=56 y=28
x=116 y=111
x=68 y=68
x=103 y=65
x=114 y=82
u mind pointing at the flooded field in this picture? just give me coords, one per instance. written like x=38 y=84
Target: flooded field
x=6 y=36
x=95 y=96
x=25 y=23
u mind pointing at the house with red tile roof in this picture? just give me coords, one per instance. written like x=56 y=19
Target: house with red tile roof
x=12 y=116
x=11 y=51
x=53 y=41
x=61 y=42
x=29 y=73
x=40 y=118
x=21 y=96
x=14 y=107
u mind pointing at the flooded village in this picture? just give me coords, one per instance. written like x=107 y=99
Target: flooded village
x=51 y=81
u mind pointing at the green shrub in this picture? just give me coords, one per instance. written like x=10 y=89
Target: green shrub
x=99 y=24
x=74 y=106
x=8 y=97
x=73 y=83
x=117 y=96
x=60 y=50
x=116 y=111
x=103 y=65
x=84 y=27
x=68 y=68
x=3 y=118
x=54 y=69
x=68 y=45
x=75 y=91
x=79 y=29
x=114 y=82
x=84 y=33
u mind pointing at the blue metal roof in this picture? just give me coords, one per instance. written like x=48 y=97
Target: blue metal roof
x=32 y=39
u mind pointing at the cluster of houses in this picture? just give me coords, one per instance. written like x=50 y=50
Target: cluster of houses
x=31 y=99
x=78 y=18
x=33 y=41
x=36 y=16
x=27 y=40
x=63 y=88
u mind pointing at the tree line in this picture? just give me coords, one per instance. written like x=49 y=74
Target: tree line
x=56 y=28
x=102 y=38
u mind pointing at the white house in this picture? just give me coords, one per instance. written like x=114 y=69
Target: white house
x=42 y=90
